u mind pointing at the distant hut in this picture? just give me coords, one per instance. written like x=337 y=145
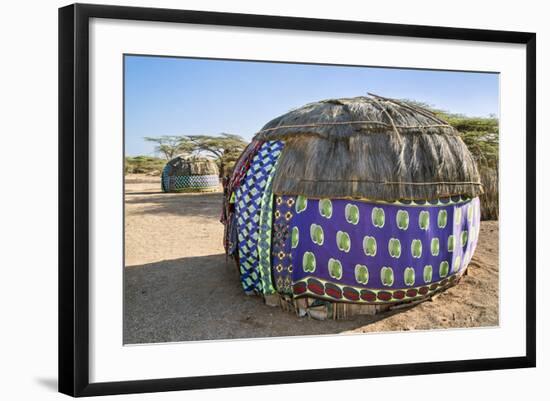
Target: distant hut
x=352 y=206
x=182 y=174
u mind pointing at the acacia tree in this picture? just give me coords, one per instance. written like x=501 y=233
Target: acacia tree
x=481 y=136
x=225 y=148
x=171 y=145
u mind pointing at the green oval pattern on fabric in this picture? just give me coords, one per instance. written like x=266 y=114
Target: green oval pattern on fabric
x=416 y=248
x=464 y=238
x=408 y=276
x=402 y=219
x=361 y=274
x=378 y=217
x=451 y=243
x=470 y=213
x=352 y=214
x=301 y=203
x=394 y=247
x=443 y=268
x=424 y=220
x=294 y=237
x=335 y=268
x=456 y=265
x=317 y=234
x=428 y=273
x=369 y=246
x=435 y=246
x=442 y=219
x=325 y=208
x=386 y=276
x=458 y=215
x=308 y=262
x=343 y=241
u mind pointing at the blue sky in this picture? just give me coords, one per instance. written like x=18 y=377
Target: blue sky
x=178 y=96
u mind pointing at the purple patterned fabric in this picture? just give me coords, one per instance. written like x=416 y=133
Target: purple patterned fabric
x=380 y=245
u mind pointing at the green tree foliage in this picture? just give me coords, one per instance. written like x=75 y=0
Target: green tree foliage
x=481 y=136
x=170 y=146
x=224 y=148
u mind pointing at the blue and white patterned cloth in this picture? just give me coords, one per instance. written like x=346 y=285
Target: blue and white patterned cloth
x=182 y=182
x=248 y=204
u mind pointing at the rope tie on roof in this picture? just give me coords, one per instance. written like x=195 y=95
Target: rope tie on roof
x=370 y=122
x=387 y=114
x=425 y=113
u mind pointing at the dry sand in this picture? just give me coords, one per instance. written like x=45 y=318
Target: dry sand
x=178 y=285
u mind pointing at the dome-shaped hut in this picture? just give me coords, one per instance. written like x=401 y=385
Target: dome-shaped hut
x=185 y=174
x=352 y=206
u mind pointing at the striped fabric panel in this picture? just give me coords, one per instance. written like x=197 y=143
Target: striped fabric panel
x=248 y=205
x=264 y=242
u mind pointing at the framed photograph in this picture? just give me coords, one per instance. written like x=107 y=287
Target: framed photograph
x=252 y=199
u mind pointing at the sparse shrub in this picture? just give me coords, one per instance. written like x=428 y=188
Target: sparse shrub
x=143 y=165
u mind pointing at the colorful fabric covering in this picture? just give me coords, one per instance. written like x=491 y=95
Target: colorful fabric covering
x=248 y=203
x=165 y=180
x=265 y=233
x=346 y=250
x=230 y=184
x=176 y=183
x=193 y=182
x=228 y=219
x=281 y=246
x=242 y=166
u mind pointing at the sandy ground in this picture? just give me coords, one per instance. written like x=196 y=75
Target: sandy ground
x=178 y=285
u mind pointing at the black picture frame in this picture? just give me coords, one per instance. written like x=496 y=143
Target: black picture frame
x=74 y=198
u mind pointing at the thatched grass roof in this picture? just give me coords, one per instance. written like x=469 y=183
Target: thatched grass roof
x=181 y=165
x=370 y=147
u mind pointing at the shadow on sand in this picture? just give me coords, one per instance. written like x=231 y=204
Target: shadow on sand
x=200 y=298
x=196 y=205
